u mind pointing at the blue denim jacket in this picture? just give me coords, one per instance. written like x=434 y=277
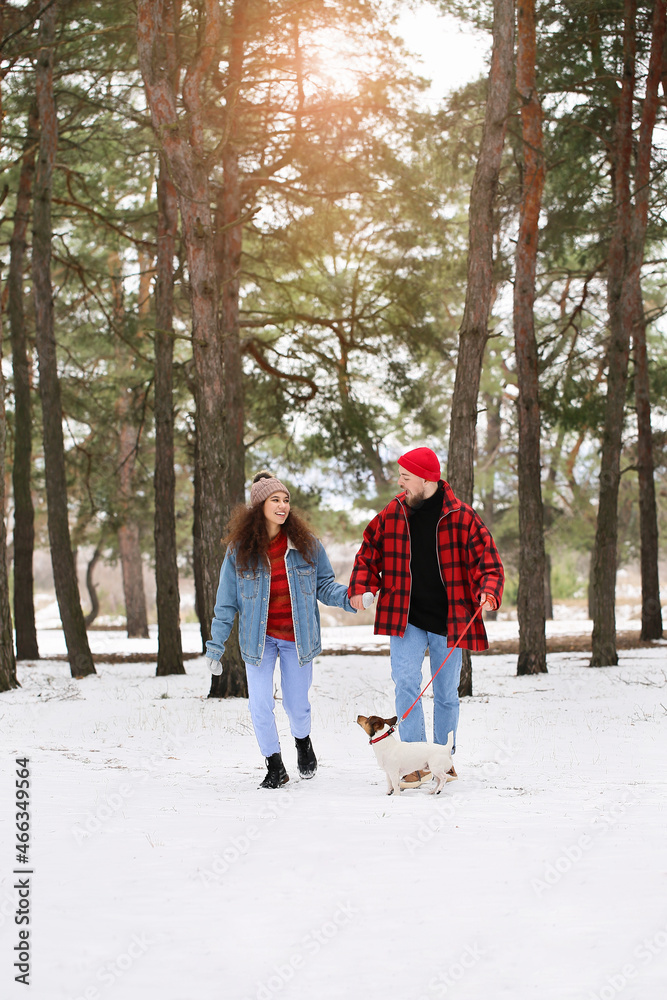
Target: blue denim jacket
x=246 y=592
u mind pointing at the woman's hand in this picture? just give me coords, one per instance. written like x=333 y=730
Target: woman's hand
x=361 y=601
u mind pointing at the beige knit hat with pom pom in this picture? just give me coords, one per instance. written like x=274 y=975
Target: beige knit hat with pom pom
x=263 y=485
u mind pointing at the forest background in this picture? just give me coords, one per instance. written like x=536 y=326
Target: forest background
x=235 y=236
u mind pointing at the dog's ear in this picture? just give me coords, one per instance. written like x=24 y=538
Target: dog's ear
x=392 y=721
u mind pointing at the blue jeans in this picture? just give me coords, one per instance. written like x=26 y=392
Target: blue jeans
x=407 y=656
x=295 y=682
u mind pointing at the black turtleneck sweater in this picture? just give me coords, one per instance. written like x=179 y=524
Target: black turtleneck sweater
x=428 y=598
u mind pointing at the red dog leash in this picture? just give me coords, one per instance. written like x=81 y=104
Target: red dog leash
x=458 y=643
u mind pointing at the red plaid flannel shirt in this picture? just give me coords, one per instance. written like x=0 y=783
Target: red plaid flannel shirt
x=469 y=564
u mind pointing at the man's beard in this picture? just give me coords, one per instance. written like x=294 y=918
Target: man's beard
x=415 y=500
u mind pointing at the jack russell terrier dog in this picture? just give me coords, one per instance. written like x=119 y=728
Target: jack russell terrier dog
x=396 y=758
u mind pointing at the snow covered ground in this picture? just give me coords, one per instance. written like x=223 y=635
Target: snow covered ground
x=161 y=871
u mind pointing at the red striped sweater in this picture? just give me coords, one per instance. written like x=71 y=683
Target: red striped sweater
x=279 y=624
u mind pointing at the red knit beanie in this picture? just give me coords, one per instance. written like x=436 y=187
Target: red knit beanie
x=421 y=462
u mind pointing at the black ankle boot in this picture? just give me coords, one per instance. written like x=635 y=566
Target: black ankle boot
x=305 y=757
x=276 y=774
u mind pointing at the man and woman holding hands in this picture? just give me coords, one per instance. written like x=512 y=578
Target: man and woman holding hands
x=428 y=558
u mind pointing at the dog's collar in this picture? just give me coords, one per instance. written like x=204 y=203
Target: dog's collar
x=384 y=735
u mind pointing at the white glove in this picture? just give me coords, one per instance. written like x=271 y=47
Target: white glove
x=368 y=599
x=215 y=666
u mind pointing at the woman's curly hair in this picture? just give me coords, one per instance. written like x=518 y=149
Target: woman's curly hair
x=248 y=534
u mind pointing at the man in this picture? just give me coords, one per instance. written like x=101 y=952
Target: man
x=433 y=561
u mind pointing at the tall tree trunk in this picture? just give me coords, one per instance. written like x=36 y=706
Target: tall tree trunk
x=230 y=230
x=92 y=589
x=181 y=140
x=491 y=449
x=473 y=334
x=7 y=658
x=127 y=417
x=62 y=558
x=648 y=514
x=620 y=321
x=548 y=507
x=548 y=599
x=232 y=682
x=129 y=536
x=24 y=513
x=530 y=604
x=625 y=314
x=132 y=566
x=197 y=549
x=170 y=650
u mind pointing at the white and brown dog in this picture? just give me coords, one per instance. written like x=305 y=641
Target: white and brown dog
x=396 y=758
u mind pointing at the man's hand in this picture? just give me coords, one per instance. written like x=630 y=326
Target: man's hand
x=488 y=602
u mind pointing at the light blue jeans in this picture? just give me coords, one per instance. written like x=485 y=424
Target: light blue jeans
x=407 y=656
x=295 y=682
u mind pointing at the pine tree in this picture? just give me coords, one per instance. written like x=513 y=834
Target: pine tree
x=24 y=514
x=531 y=609
x=624 y=297
x=474 y=330
x=170 y=651
x=64 y=570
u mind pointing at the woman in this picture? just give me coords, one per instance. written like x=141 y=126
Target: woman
x=274 y=573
